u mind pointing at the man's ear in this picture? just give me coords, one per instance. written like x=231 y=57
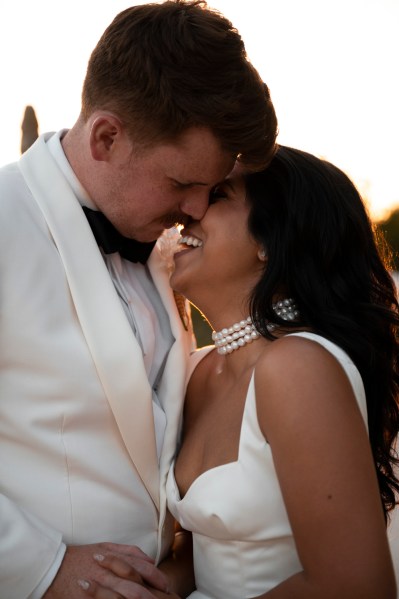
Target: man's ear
x=104 y=133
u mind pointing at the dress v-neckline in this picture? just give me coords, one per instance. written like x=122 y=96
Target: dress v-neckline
x=213 y=469
x=311 y=336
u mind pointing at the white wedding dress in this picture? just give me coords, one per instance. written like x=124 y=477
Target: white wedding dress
x=243 y=542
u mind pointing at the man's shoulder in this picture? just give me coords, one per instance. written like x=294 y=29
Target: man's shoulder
x=15 y=196
x=8 y=172
x=11 y=181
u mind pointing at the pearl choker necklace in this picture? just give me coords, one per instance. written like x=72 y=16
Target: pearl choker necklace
x=240 y=333
x=236 y=336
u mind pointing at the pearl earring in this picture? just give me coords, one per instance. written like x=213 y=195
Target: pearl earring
x=262 y=255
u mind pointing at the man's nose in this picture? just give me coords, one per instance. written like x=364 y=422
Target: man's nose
x=195 y=205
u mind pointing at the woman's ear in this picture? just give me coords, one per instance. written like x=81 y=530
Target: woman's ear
x=262 y=255
x=104 y=132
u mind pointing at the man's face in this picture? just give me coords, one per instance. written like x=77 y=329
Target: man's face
x=146 y=191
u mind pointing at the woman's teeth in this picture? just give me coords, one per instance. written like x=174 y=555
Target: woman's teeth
x=189 y=240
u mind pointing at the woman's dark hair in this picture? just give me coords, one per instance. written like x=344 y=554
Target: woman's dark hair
x=322 y=250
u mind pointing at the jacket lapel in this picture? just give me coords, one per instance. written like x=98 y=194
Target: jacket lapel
x=173 y=383
x=114 y=348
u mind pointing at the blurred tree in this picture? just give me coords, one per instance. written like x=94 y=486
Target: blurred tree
x=390 y=229
x=30 y=129
x=202 y=330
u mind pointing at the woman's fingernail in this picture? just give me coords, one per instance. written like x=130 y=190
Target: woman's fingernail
x=98 y=557
x=84 y=584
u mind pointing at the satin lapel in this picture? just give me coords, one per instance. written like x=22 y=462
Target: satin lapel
x=173 y=383
x=114 y=348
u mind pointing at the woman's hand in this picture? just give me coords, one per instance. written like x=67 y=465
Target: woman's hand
x=141 y=581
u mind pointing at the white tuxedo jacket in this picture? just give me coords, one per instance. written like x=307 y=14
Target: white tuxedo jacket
x=78 y=460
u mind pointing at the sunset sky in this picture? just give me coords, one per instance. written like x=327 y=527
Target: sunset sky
x=332 y=68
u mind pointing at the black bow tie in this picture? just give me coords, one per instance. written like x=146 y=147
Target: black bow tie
x=110 y=240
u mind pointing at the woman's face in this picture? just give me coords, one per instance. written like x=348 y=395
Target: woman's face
x=218 y=255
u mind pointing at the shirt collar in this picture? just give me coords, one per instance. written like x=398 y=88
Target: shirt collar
x=56 y=150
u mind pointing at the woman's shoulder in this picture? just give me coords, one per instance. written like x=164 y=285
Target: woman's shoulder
x=305 y=369
x=301 y=348
x=302 y=360
x=298 y=346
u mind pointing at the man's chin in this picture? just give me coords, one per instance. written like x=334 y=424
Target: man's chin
x=151 y=234
x=147 y=237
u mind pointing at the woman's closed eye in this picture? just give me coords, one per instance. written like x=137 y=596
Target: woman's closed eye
x=216 y=194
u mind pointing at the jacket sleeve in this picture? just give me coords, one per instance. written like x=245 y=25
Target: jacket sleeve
x=28 y=549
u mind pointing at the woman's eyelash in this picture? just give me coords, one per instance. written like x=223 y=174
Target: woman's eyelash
x=216 y=194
